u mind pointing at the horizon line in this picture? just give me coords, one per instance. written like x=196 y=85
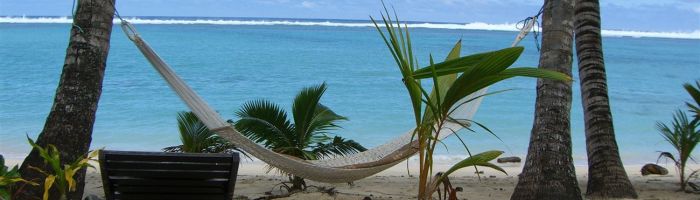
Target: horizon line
x=194 y=20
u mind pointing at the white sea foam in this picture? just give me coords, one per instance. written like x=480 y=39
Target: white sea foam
x=278 y=22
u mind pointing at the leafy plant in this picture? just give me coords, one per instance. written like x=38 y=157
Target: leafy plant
x=684 y=136
x=62 y=176
x=8 y=178
x=694 y=92
x=453 y=80
x=307 y=137
x=197 y=138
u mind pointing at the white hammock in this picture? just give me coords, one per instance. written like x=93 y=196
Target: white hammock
x=335 y=170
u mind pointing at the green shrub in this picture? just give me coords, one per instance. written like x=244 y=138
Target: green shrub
x=684 y=136
x=61 y=177
x=8 y=178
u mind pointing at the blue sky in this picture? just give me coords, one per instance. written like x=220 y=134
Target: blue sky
x=639 y=15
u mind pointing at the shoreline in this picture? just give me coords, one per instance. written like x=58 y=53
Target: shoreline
x=395 y=183
x=441 y=159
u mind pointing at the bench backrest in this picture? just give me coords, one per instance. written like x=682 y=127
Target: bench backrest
x=172 y=176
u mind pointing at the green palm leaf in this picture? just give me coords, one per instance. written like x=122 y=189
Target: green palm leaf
x=403 y=55
x=683 y=135
x=265 y=122
x=695 y=94
x=481 y=159
x=536 y=73
x=338 y=146
x=195 y=136
x=304 y=110
x=479 y=64
x=442 y=83
x=323 y=120
x=452 y=66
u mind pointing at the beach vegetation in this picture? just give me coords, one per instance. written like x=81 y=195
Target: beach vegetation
x=9 y=177
x=197 y=138
x=305 y=136
x=694 y=92
x=683 y=135
x=62 y=178
x=452 y=81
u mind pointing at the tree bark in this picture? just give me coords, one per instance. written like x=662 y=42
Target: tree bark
x=606 y=175
x=70 y=121
x=549 y=171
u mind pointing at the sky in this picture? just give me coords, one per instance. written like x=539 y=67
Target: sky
x=635 y=15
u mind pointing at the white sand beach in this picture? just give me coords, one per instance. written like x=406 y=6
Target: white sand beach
x=253 y=182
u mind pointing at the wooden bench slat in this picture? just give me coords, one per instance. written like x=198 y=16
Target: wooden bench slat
x=169 y=158
x=168 y=174
x=165 y=196
x=167 y=165
x=170 y=190
x=160 y=182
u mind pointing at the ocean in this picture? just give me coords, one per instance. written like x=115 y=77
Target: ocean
x=230 y=61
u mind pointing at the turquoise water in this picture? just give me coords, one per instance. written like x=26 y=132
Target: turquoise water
x=231 y=64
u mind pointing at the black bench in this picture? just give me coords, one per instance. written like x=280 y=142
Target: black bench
x=172 y=176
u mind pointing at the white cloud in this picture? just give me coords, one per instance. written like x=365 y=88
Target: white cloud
x=308 y=4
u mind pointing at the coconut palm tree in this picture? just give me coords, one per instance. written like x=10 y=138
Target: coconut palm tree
x=306 y=137
x=549 y=170
x=70 y=122
x=684 y=136
x=607 y=177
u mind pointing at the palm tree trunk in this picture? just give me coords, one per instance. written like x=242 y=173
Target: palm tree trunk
x=681 y=170
x=549 y=171
x=70 y=121
x=607 y=177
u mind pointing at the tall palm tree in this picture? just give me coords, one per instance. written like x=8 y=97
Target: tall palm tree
x=306 y=138
x=70 y=121
x=606 y=175
x=549 y=171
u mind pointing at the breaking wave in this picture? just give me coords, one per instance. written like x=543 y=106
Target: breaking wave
x=342 y=23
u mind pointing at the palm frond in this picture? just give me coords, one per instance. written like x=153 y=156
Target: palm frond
x=683 y=135
x=324 y=120
x=266 y=123
x=452 y=66
x=482 y=74
x=695 y=94
x=481 y=159
x=304 y=110
x=338 y=146
x=667 y=155
x=195 y=136
x=403 y=55
x=442 y=83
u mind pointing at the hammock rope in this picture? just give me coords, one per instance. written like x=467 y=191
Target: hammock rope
x=334 y=170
